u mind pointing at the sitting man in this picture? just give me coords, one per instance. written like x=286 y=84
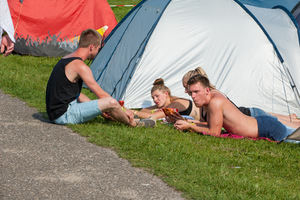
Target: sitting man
x=223 y=113
x=64 y=101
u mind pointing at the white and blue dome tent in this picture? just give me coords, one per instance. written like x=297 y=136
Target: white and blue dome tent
x=251 y=54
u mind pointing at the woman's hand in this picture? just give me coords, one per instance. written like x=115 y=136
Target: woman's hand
x=8 y=44
x=130 y=114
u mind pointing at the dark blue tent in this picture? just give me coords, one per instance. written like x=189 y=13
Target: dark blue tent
x=296 y=13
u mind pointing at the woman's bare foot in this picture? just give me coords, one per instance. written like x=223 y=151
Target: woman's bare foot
x=294 y=116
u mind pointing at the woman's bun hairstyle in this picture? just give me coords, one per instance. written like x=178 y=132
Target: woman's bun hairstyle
x=159 y=84
x=159 y=81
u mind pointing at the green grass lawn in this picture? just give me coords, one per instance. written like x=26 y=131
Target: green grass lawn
x=202 y=167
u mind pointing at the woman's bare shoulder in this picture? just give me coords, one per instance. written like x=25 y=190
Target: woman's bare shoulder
x=179 y=99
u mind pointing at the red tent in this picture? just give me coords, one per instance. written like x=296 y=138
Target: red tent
x=48 y=28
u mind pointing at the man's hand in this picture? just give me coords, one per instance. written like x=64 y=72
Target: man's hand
x=106 y=115
x=7 y=44
x=182 y=125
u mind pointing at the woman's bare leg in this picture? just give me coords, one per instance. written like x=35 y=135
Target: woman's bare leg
x=292 y=117
x=289 y=123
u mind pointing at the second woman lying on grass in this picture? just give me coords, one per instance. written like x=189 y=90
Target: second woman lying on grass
x=162 y=98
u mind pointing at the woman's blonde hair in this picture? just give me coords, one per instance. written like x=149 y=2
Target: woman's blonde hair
x=159 y=84
x=197 y=71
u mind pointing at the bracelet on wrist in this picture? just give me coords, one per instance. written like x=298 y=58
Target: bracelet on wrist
x=154 y=110
x=192 y=123
x=135 y=114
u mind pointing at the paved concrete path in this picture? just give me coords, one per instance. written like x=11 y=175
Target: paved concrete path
x=40 y=160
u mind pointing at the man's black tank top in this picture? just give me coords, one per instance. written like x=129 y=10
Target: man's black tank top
x=60 y=90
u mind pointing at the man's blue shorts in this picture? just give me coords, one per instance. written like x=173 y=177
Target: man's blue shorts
x=79 y=112
x=270 y=127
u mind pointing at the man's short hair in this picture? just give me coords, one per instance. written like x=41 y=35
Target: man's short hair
x=198 y=79
x=88 y=37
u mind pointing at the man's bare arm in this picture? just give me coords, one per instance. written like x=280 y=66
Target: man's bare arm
x=83 y=98
x=214 y=122
x=215 y=116
x=86 y=75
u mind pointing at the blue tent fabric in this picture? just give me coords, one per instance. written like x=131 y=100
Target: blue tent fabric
x=289 y=4
x=296 y=13
x=262 y=28
x=291 y=17
x=142 y=28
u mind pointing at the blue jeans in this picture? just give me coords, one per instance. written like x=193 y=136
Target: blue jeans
x=79 y=112
x=256 y=112
x=270 y=127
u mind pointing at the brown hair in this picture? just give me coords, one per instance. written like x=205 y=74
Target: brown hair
x=197 y=71
x=88 y=37
x=159 y=84
x=199 y=79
